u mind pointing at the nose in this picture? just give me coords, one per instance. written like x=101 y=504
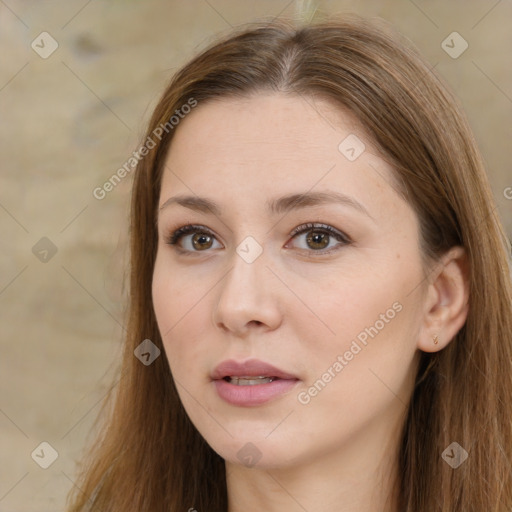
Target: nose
x=248 y=298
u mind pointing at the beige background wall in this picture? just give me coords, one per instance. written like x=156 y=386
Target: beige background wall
x=70 y=120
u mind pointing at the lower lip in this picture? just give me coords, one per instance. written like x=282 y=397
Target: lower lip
x=247 y=396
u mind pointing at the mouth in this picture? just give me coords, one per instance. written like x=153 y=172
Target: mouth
x=250 y=372
x=251 y=383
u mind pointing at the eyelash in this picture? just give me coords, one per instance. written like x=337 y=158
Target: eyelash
x=345 y=240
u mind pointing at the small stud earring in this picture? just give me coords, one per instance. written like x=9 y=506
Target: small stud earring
x=436 y=339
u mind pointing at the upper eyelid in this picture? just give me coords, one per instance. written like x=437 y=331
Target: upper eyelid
x=303 y=228
x=191 y=227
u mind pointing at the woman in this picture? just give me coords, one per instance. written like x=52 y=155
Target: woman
x=316 y=258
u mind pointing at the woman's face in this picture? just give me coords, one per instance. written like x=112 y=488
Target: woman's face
x=261 y=281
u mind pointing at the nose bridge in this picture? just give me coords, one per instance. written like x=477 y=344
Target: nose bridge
x=245 y=293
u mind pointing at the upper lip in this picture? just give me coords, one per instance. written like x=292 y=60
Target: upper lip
x=249 y=368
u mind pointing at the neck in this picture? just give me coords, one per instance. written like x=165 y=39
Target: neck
x=358 y=477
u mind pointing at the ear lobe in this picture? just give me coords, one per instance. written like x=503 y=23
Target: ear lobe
x=447 y=301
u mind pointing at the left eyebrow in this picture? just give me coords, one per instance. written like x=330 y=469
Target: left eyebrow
x=276 y=206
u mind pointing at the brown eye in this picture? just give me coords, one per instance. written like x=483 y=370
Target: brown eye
x=201 y=241
x=200 y=238
x=319 y=237
x=194 y=239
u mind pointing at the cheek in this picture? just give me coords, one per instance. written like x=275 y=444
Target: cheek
x=344 y=308
x=372 y=323
x=178 y=305
x=177 y=309
x=173 y=297
x=164 y=300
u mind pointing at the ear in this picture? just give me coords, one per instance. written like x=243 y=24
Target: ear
x=446 y=301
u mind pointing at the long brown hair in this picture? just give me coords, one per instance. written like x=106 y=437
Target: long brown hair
x=150 y=457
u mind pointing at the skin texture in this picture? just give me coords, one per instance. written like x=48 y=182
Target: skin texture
x=293 y=307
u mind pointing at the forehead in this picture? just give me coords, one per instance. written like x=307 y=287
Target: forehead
x=242 y=148
x=306 y=123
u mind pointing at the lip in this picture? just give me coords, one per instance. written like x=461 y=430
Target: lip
x=249 y=368
x=257 y=394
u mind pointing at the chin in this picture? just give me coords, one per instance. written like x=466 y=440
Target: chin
x=256 y=451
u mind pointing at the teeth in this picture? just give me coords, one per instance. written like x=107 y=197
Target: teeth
x=250 y=381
